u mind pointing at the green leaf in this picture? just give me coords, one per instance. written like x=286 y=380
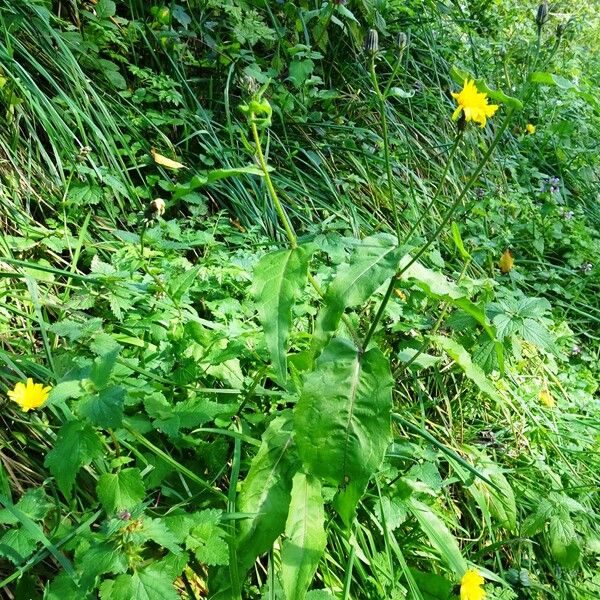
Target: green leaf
x=459 y=76
x=458 y=242
x=122 y=490
x=151 y=583
x=279 y=279
x=463 y=359
x=99 y=559
x=17 y=545
x=34 y=503
x=103 y=367
x=439 y=535
x=265 y=493
x=180 y=284
x=305 y=537
x=432 y=586
x=104 y=409
x=105 y=9
x=300 y=70
x=373 y=261
x=77 y=444
x=342 y=418
x=206 y=539
x=564 y=543
x=86 y=194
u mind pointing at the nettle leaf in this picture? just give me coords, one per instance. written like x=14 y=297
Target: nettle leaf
x=122 y=490
x=98 y=559
x=342 y=418
x=372 y=262
x=207 y=539
x=77 y=444
x=564 y=542
x=103 y=367
x=279 y=279
x=439 y=535
x=151 y=583
x=463 y=359
x=266 y=492
x=34 y=503
x=17 y=545
x=104 y=408
x=305 y=537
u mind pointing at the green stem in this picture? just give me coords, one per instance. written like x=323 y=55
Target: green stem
x=265 y=169
x=349 y=568
x=386 y=146
x=231 y=506
x=425 y=213
x=441 y=226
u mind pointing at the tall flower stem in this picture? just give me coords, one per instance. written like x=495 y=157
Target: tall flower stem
x=287 y=226
x=486 y=157
x=386 y=145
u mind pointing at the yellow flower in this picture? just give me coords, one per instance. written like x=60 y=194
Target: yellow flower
x=473 y=104
x=530 y=128
x=29 y=395
x=506 y=261
x=546 y=398
x=471 y=586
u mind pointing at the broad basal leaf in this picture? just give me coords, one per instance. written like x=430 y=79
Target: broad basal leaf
x=279 y=279
x=77 y=444
x=305 y=537
x=373 y=261
x=265 y=493
x=343 y=416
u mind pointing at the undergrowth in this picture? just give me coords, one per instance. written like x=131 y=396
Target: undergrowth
x=307 y=335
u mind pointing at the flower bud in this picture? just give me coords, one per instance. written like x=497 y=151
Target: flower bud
x=402 y=40
x=372 y=42
x=542 y=14
x=156 y=208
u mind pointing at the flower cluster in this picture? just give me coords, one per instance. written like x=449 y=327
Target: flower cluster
x=551 y=184
x=473 y=104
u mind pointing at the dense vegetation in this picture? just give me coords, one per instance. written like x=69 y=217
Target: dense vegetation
x=304 y=325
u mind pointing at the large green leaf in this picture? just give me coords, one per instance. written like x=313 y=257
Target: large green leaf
x=265 y=493
x=279 y=279
x=77 y=444
x=373 y=261
x=305 y=537
x=564 y=543
x=120 y=490
x=439 y=535
x=343 y=416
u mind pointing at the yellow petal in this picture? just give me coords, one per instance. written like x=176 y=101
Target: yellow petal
x=506 y=261
x=546 y=398
x=159 y=159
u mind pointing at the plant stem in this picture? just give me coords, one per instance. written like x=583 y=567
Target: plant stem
x=386 y=146
x=440 y=227
x=291 y=236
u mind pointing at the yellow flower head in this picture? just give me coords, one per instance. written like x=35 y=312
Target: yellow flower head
x=546 y=398
x=530 y=128
x=471 y=586
x=506 y=261
x=29 y=395
x=473 y=104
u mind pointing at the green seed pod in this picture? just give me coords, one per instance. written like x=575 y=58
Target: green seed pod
x=372 y=42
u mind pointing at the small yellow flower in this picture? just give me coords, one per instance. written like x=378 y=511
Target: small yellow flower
x=506 y=261
x=471 y=586
x=473 y=104
x=29 y=395
x=546 y=398
x=530 y=128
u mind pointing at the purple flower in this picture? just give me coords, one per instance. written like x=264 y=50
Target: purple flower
x=569 y=215
x=553 y=189
x=575 y=350
x=586 y=267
